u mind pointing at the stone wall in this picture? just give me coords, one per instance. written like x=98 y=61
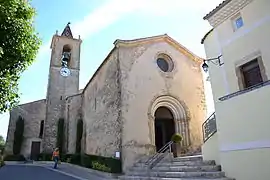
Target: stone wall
x=73 y=114
x=33 y=113
x=60 y=87
x=142 y=82
x=101 y=100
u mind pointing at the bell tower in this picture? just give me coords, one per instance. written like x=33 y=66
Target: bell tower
x=63 y=81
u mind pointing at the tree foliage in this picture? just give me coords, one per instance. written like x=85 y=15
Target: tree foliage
x=79 y=135
x=18 y=136
x=60 y=135
x=19 y=45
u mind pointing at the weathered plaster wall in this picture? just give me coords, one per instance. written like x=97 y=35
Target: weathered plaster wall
x=60 y=87
x=33 y=113
x=73 y=114
x=101 y=110
x=142 y=82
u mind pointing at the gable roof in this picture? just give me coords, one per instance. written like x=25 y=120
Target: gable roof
x=163 y=37
x=211 y=13
x=118 y=43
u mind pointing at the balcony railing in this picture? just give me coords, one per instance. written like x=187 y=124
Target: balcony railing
x=209 y=127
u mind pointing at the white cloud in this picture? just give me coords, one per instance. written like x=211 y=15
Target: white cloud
x=113 y=10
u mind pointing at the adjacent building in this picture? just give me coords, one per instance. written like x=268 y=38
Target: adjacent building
x=239 y=44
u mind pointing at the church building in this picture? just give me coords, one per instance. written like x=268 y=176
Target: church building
x=144 y=91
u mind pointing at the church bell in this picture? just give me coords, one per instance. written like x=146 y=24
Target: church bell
x=66 y=56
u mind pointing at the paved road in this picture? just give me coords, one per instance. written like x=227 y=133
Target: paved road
x=30 y=173
x=21 y=172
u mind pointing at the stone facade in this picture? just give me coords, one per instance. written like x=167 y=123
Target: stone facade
x=144 y=90
x=32 y=113
x=118 y=104
x=101 y=102
x=73 y=114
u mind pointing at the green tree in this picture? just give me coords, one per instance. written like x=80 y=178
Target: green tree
x=79 y=135
x=60 y=135
x=19 y=44
x=2 y=144
x=18 y=136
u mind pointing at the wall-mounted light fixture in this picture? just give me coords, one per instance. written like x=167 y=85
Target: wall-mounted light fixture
x=215 y=61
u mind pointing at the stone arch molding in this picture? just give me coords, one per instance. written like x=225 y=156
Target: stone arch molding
x=175 y=106
x=180 y=113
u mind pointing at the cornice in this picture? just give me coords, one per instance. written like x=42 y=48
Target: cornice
x=227 y=11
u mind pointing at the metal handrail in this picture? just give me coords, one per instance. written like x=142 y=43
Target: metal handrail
x=153 y=159
x=209 y=127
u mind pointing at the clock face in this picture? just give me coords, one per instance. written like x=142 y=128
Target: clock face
x=65 y=72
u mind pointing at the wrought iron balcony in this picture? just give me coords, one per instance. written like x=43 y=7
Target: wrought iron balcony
x=209 y=127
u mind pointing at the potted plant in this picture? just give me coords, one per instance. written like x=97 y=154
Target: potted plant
x=176 y=138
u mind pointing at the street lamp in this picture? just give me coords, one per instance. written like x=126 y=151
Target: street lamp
x=215 y=61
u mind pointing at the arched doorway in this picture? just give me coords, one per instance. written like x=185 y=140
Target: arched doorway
x=164 y=127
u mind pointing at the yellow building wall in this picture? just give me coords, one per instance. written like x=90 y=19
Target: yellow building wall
x=243 y=121
x=210 y=149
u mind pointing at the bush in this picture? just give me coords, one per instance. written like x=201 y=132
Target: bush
x=44 y=157
x=177 y=138
x=17 y=157
x=100 y=163
x=71 y=158
x=2 y=163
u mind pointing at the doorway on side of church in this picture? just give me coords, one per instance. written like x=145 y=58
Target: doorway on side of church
x=35 y=150
x=164 y=127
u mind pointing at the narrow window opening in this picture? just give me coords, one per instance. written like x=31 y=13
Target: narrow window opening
x=41 y=129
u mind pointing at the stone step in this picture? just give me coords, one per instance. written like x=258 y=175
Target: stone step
x=160 y=178
x=183 y=158
x=177 y=174
x=209 y=168
x=180 y=163
x=188 y=158
x=167 y=156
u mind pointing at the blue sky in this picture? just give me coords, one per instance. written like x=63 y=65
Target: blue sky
x=100 y=22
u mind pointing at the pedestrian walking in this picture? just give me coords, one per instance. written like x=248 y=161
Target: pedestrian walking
x=56 y=157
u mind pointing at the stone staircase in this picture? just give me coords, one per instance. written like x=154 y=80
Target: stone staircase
x=181 y=168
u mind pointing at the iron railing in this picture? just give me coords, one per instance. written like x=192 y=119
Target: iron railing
x=209 y=127
x=166 y=149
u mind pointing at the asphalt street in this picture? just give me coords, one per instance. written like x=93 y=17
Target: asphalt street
x=10 y=172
